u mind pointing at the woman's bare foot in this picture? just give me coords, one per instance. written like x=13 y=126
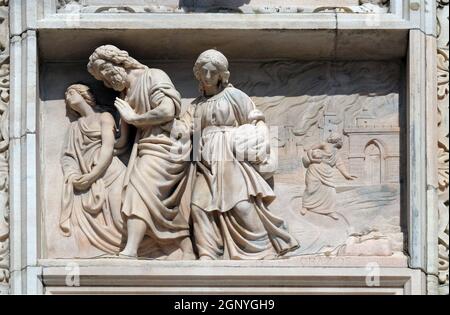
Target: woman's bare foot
x=126 y=253
x=303 y=211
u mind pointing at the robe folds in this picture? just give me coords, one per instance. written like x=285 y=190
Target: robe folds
x=90 y=211
x=320 y=191
x=230 y=199
x=157 y=172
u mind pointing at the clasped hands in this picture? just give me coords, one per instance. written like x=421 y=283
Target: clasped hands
x=84 y=181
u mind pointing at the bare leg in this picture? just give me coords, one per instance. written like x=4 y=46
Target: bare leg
x=187 y=249
x=136 y=231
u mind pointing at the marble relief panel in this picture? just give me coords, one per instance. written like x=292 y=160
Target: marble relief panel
x=334 y=128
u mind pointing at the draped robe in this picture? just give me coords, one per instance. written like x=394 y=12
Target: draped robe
x=157 y=171
x=221 y=229
x=320 y=191
x=90 y=211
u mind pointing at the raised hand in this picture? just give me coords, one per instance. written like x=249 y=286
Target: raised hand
x=125 y=110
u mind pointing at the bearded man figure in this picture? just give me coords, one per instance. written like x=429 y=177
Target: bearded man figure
x=157 y=170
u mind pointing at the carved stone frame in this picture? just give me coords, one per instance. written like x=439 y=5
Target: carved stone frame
x=30 y=273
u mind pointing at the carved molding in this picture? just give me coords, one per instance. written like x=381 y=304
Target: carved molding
x=443 y=141
x=247 y=7
x=4 y=146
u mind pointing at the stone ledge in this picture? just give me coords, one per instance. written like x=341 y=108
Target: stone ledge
x=397 y=260
x=220 y=21
x=231 y=277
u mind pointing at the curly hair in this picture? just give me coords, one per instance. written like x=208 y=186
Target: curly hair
x=335 y=138
x=218 y=60
x=114 y=61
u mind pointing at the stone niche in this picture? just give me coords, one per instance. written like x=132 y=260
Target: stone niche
x=304 y=101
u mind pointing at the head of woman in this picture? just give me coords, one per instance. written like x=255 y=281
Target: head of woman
x=211 y=70
x=110 y=65
x=336 y=140
x=78 y=96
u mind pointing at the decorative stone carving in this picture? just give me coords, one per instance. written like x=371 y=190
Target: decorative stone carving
x=363 y=120
x=4 y=178
x=4 y=146
x=223 y=6
x=68 y=5
x=320 y=192
x=4 y=26
x=301 y=103
x=231 y=200
x=157 y=170
x=373 y=243
x=443 y=141
x=93 y=177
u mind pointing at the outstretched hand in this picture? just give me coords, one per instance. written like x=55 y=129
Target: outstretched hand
x=125 y=110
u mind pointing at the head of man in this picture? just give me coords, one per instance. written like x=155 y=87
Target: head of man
x=112 y=65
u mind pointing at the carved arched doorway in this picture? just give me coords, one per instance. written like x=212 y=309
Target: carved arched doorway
x=373 y=163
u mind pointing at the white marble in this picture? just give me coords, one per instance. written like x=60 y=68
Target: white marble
x=295 y=32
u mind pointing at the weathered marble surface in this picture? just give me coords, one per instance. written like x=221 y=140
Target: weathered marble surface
x=443 y=140
x=4 y=146
x=344 y=275
x=305 y=102
x=223 y=6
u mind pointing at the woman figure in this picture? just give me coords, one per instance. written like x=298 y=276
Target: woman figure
x=93 y=176
x=320 y=161
x=230 y=199
x=157 y=171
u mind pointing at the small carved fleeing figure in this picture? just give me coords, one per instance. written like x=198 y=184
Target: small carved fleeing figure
x=320 y=161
